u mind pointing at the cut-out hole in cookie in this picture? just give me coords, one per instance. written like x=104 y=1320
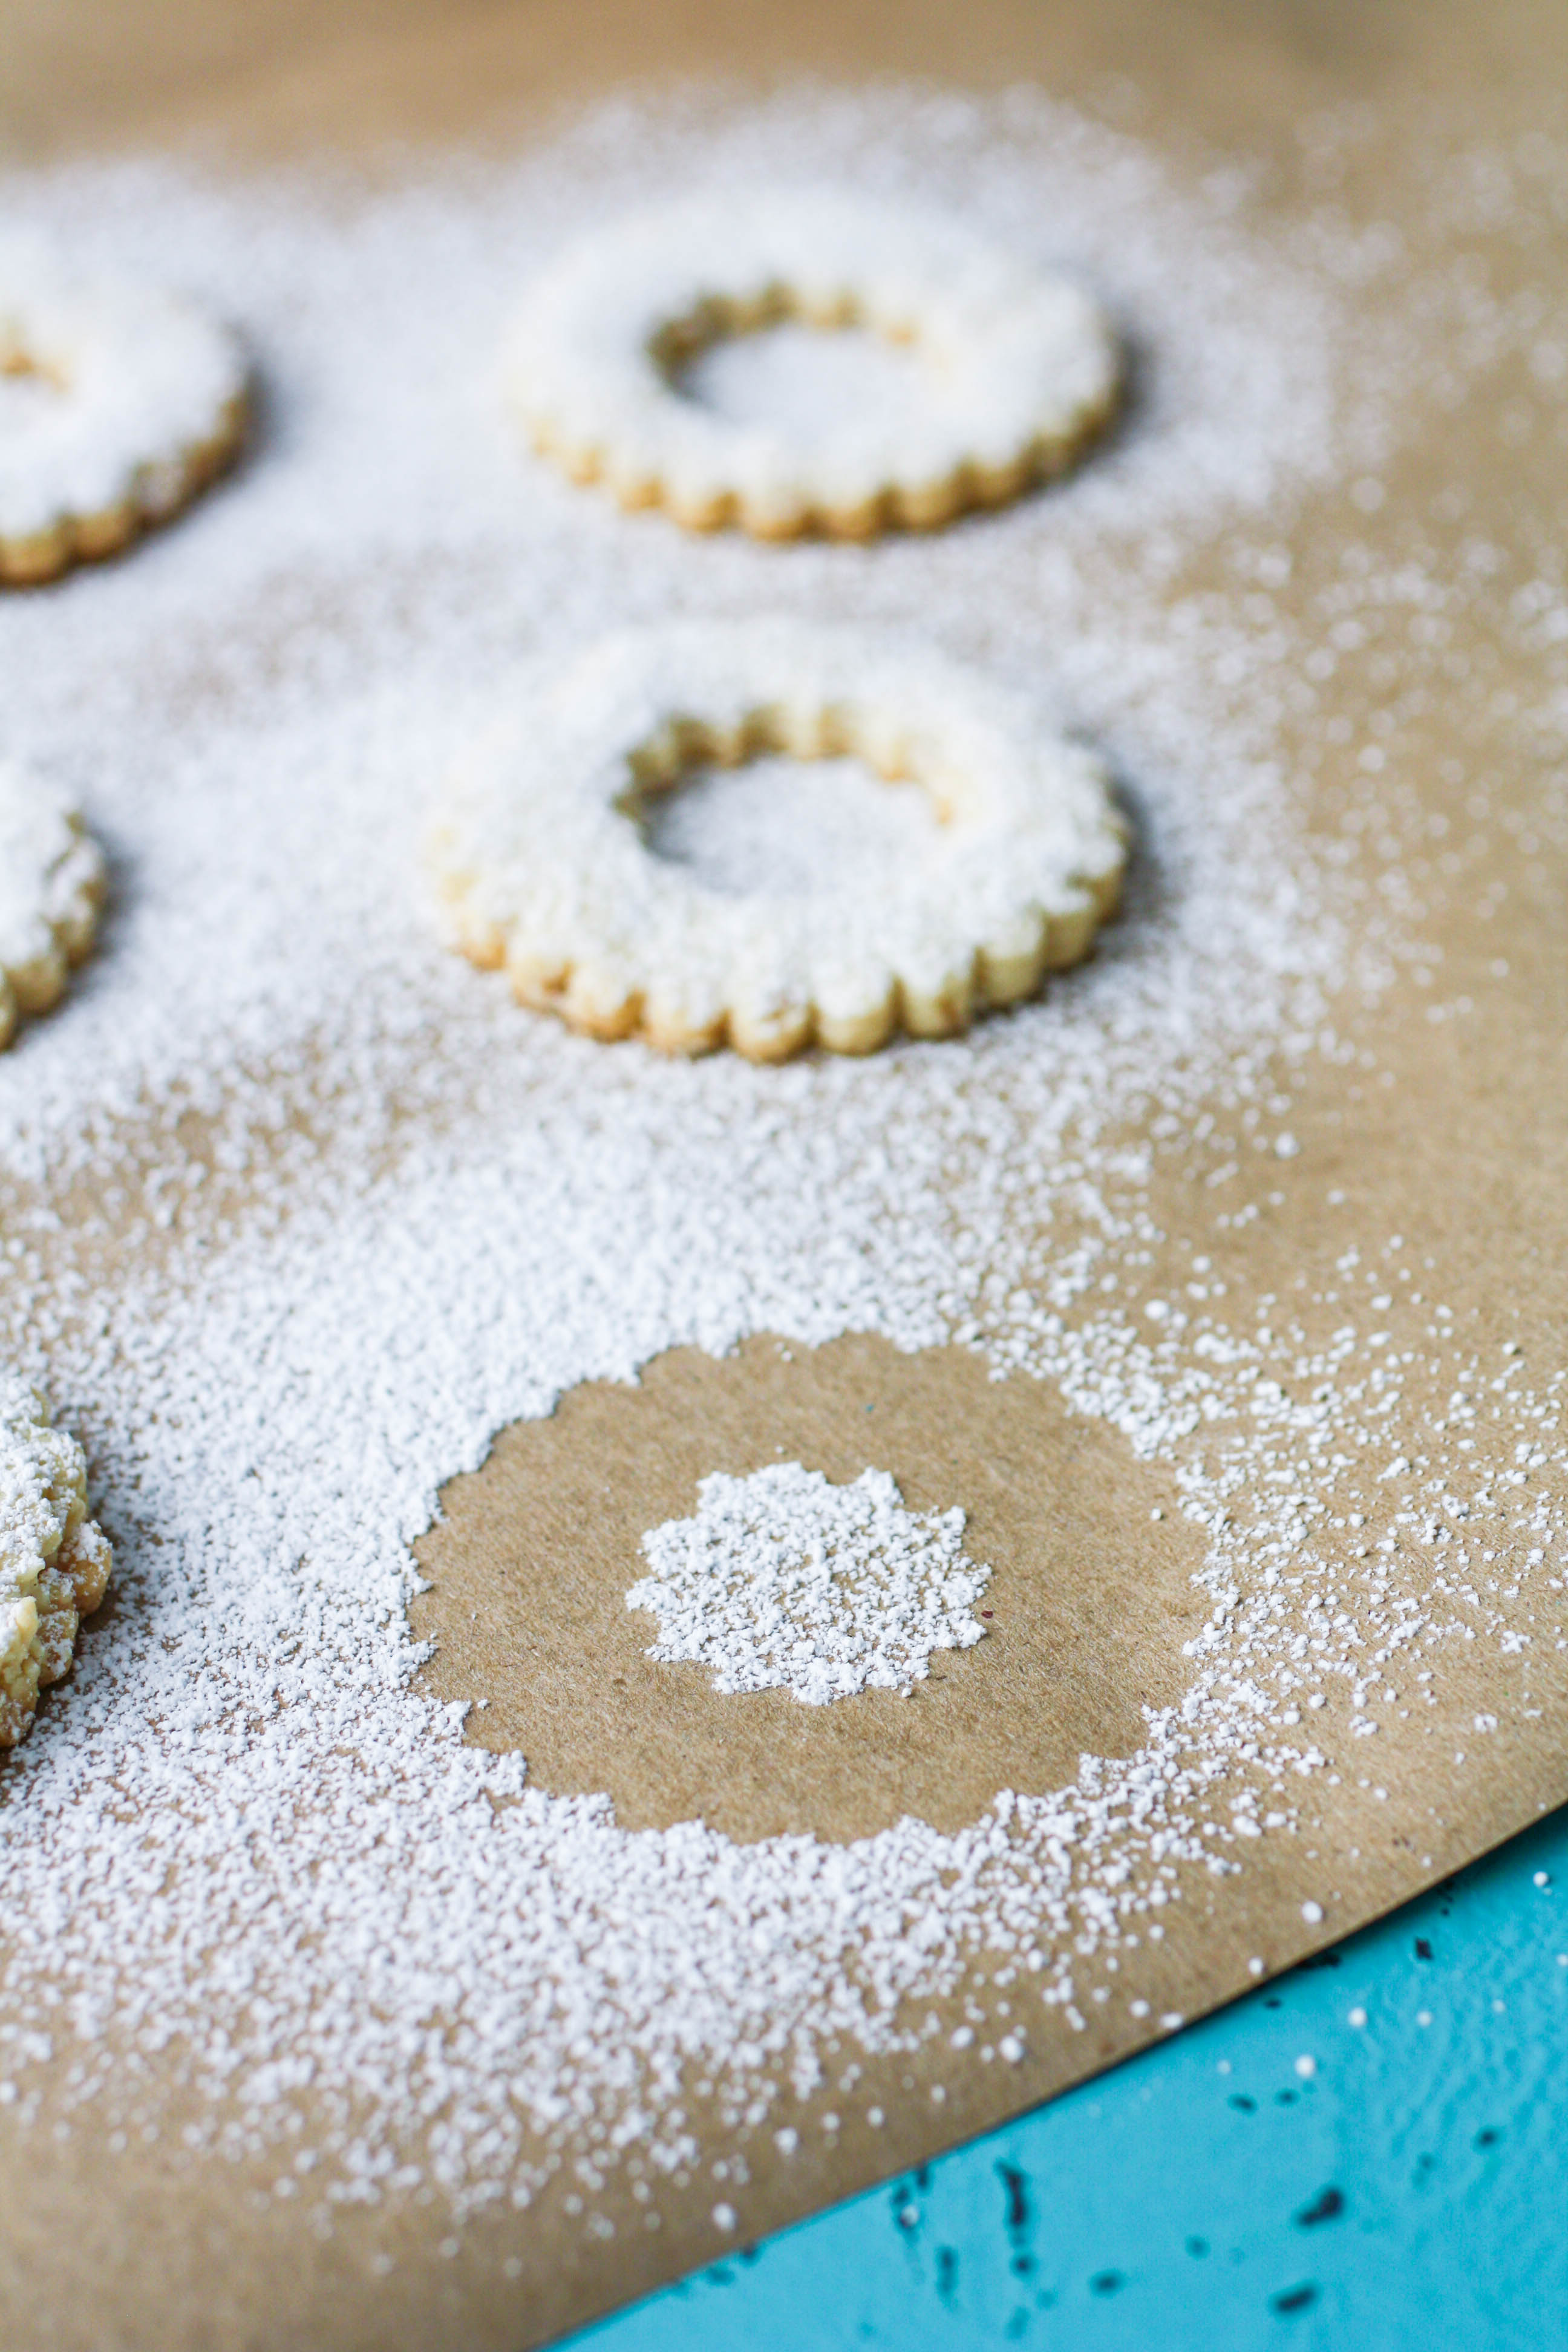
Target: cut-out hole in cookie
x=30 y=390
x=790 y=827
x=788 y=376
x=1089 y=1599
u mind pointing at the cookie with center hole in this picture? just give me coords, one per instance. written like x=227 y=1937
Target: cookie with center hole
x=1017 y=365
x=542 y=865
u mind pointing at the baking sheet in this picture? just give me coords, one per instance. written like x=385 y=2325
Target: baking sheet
x=1411 y=1157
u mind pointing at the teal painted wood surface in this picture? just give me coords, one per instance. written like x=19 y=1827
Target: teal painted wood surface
x=1370 y=2153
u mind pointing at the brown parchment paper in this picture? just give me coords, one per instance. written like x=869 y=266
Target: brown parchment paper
x=1448 y=1133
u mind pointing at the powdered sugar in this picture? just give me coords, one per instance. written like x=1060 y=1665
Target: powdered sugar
x=51 y=889
x=783 y=1581
x=363 y=602
x=300 y=1210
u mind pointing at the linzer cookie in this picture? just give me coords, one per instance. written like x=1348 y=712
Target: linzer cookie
x=1018 y=365
x=118 y=403
x=54 y=1559
x=543 y=862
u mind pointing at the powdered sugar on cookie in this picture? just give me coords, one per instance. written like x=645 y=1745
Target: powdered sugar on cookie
x=54 y=1561
x=52 y=884
x=119 y=402
x=1018 y=365
x=542 y=868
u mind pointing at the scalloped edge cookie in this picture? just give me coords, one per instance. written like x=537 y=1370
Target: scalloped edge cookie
x=1021 y=364
x=540 y=864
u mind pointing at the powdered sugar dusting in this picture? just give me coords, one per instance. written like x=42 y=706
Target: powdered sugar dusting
x=783 y=1581
x=363 y=601
x=54 y=1562
x=300 y=1210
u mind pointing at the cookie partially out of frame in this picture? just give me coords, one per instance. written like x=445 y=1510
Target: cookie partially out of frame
x=542 y=864
x=1019 y=365
x=51 y=891
x=54 y=1561
x=119 y=402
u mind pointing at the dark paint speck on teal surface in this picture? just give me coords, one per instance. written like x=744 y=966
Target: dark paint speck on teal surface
x=1276 y=2176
